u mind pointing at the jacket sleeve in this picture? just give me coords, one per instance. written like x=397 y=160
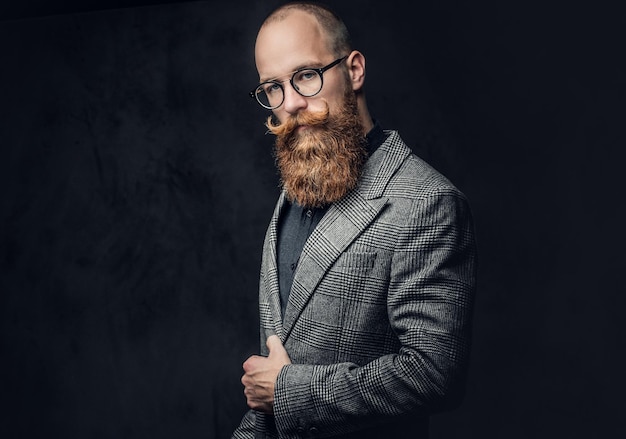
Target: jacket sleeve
x=429 y=305
x=246 y=427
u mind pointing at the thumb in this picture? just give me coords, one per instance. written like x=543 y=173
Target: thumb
x=276 y=348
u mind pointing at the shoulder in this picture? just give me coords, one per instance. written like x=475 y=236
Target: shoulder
x=413 y=177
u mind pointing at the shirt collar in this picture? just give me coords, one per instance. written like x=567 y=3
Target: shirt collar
x=375 y=138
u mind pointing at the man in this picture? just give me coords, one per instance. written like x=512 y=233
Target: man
x=367 y=278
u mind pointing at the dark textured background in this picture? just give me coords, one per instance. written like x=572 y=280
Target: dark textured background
x=136 y=185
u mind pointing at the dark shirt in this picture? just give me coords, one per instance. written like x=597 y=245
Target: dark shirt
x=296 y=223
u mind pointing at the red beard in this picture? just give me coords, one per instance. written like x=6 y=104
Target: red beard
x=320 y=164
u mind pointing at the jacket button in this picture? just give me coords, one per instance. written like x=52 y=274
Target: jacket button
x=313 y=431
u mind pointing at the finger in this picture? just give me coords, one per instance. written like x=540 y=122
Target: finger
x=246 y=380
x=248 y=365
x=273 y=343
x=277 y=350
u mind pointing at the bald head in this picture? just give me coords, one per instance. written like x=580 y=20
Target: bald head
x=308 y=37
x=332 y=28
x=289 y=40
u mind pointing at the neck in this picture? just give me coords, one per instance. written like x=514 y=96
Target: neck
x=364 y=114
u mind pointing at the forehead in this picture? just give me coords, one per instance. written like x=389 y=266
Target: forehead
x=287 y=44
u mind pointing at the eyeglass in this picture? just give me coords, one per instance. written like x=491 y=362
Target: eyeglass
x=307 y=82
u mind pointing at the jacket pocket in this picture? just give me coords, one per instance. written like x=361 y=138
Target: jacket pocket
x=356 y=261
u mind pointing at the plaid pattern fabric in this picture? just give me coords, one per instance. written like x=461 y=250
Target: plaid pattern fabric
x=378 y=320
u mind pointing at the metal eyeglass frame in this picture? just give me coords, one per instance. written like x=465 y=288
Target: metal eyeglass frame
x=320 y=71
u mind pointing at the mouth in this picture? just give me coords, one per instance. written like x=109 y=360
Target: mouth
x=304 y=128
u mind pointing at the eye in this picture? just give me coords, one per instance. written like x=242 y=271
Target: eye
x=271 y=88
x=306 y=75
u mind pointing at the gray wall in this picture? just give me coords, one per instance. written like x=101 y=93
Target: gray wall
x=137 y=184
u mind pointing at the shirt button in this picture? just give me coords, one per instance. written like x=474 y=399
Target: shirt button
x=309 y=213
x=293 y=266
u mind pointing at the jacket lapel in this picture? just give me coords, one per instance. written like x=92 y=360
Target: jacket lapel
x=270 y=297
x=342 y=224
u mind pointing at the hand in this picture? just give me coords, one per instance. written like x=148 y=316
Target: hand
x=260 y=375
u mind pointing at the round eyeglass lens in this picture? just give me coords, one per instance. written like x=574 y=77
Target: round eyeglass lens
x=307 y=82
x=269 y=94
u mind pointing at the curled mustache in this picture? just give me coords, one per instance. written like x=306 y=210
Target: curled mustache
x=305 y=118
x=319 y=167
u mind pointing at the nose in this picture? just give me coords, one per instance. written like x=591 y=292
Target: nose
x=294 y=101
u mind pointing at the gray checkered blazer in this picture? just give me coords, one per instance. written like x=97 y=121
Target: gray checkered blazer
x=378 y=320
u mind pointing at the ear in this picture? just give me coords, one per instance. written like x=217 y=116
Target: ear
x=356 y=69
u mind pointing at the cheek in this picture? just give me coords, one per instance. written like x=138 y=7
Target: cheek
x=278 y=117
x=334 y=97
